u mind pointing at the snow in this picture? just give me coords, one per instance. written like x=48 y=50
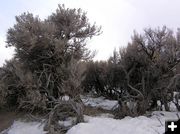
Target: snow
x=128 y=125
x=68 y=122
x=65 y=98
x=172 y=106
x=99 y=102
x=20 y=127
x=104 y=123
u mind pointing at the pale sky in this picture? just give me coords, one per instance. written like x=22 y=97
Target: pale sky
x=118 y=19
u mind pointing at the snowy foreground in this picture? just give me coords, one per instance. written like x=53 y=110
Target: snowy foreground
x=128 y=125
x=104 y=124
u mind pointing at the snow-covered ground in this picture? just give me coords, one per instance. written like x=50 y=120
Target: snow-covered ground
x=139 y=125
x=99 y=102
x=21 y=127
x=104 y=124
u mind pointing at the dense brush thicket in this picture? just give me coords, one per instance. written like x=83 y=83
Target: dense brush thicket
x=144 y=72
x=51 y=61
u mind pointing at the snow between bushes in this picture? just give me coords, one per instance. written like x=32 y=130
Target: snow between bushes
x=128 y=125
x=105 y=125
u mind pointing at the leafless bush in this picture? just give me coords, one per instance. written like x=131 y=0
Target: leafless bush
x=61 y=112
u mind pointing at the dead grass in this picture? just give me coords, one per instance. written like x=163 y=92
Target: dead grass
x=6 y=119
x=94 y=111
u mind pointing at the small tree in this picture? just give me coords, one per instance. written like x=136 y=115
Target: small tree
x=148 y=62
x=48 y=54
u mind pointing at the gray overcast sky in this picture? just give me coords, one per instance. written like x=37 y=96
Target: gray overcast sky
x=118 y=19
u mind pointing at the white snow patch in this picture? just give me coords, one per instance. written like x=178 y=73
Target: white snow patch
x=65 y=98
x=172 y=107
x=99 y=102
x=68 y=122
x=128 y=125
x=19 y=127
